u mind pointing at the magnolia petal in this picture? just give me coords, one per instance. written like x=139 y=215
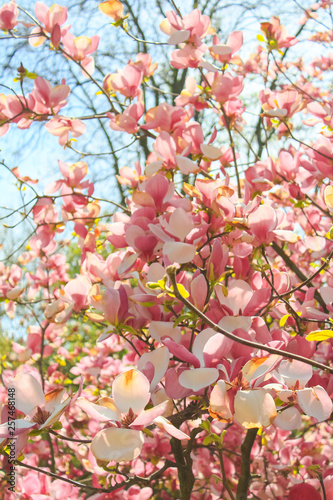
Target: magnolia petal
x=286 y=395
x=186 y=166
x=170 y=429
x=98 y=412
x=219 y=403
x=117 y=444
x=315 y=402
x=216 y=348
x=153 y=167
x=221 y=49
x=257 y=367
x=208 y=66
x=289 y=419
x=254 y=408
x=211 y=152
x=147 y=417
x=277 y=113
x=179 y=37
x=231 y=323
x=21 y=425
x=159 y=329
x=293 y=370
x=181 y=352
x=56 y=414
x=328 y=197
x=286 y=235
x=131 y=389
x=179 y=252
x=53 y=398
x=198 y=378
x=112 y=8
x=28 y=392
x=200 y=341
x=160 y=359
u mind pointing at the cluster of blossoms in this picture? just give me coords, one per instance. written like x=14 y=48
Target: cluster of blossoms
x=195 y=334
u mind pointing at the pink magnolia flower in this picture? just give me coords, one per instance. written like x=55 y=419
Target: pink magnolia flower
x=145 y=63
x=112 y=8
x=191 y=94
x=239 y=304
x=126 y=81
x=125 y=413
x=40 y=410
x=209 y=348
x=8 y=16
x=225 y=87
x=74 y=297
x=61 y=127
x=320 y=166
x=191 y=28
x=51 y=19
x=73 y=176
x=80 y=48
x=173 y=231
x=52 y=98
x=164 y=117
x=252 y=406
x=264 y=223
x=50 y=16
x=128 y=120
x=313 y=401
x=224 y=52
x=217 y=260
x=277 y=35
x=282 y=104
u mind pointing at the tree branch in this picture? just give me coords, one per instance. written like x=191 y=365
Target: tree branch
x=244 y=480
x=171 y=272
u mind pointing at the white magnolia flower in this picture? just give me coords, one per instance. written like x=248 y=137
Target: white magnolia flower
x=125 y=413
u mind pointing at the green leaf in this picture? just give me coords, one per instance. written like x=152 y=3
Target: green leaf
x=208 y=440
x=153 y=286
x=284 y=319
x=32 y=76
x=36 y=432
x=181 y=290
x=319 y=335
x=147 y=304
x=148 y=433
x=205 y=425
x=57 y=426
x=182 y=318
x=329 y=235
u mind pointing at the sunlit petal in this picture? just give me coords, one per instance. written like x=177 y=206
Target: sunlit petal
x=131 y=389
x=98 y=412
x=288 y=419
x=117 y=444
x=315 y=402
x=254 y=408
x=28 y=392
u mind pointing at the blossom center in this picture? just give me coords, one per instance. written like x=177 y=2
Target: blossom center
x=128 y=418
x=40 y=416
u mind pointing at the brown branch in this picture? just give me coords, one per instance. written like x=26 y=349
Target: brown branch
x=171 y=272
x=298 y=272
x=308 y=281
x=224 y=476
x=245 y=476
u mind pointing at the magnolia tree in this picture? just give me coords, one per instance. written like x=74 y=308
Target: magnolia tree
x=180 y=347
